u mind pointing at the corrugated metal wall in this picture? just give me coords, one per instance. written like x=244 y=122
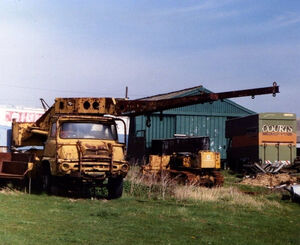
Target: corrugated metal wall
x=195 y=120
x=214 y=127
x=158 y=129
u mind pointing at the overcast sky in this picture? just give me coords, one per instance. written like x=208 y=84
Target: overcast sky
x=95 y=48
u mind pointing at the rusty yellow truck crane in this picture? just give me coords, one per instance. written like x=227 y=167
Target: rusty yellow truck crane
x=79 y=140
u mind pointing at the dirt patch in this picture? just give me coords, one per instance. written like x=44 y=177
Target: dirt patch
x=270 y=180
x=9 y=191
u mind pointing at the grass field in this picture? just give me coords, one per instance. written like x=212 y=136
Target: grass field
x=145 y=216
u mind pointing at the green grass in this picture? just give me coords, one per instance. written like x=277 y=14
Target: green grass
x=136 y=219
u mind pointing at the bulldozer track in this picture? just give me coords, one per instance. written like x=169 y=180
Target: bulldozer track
x=219 y=178
x=212 y=179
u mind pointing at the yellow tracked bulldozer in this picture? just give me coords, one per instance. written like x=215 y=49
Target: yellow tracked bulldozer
x=198 y=166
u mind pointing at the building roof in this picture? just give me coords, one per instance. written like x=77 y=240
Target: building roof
x=174 y=94
x=193 y=91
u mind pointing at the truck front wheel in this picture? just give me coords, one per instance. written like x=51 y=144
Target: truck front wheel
x=46 y=177
x=46 y=183
x=115 y=187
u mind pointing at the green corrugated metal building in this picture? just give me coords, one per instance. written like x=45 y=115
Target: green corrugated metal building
x=206 y=119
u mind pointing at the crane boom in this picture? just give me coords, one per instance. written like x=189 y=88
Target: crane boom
x=124 y=107
x=140 y=107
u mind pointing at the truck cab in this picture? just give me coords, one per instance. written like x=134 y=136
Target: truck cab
x=87 y=148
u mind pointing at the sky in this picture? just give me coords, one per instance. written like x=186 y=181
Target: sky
x=58 y=48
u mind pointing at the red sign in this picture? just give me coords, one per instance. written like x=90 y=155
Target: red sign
x=22 y=116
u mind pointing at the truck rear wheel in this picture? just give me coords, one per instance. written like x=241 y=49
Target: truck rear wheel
x=115 y=187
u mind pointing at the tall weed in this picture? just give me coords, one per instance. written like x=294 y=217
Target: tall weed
x=163 y=187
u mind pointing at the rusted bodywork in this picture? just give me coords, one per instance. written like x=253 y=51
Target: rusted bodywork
x=199 y=169
x=17 y=167
x=142 y=107
x=186 y=160
x=78 y=146
x=156 y=164
x=124 y=107
x=84 y=156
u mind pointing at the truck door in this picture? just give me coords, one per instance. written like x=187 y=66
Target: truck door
x=50 y=144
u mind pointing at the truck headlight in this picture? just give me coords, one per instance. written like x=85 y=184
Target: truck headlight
x=65 y=167
x=125 y=167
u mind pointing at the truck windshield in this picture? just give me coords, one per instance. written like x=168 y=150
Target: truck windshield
x=86 y=130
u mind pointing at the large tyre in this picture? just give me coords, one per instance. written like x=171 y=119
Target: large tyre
x=46 y=183
x=115 y=187
x=46 y=177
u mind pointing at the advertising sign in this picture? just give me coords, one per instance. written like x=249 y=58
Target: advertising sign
x=21 y=115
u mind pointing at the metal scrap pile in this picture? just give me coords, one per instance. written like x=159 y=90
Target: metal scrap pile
x=271 y=180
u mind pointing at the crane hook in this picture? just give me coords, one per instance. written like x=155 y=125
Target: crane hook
x=148 y=122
